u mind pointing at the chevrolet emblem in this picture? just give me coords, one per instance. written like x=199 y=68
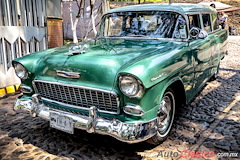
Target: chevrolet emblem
x=68 y=74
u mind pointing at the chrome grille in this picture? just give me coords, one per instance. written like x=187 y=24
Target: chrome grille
x=77 y=96
x=67 y=110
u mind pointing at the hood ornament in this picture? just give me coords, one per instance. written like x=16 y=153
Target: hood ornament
x=68 y=74
x=76 y=49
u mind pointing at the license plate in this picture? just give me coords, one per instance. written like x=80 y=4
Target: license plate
x=61 y=122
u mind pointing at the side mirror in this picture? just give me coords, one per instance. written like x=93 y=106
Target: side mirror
x=198 y=33
x=194 y=32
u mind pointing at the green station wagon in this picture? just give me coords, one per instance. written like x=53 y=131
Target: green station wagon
x=146 y=61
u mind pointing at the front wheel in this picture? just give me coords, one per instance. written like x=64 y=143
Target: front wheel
x=165 y=117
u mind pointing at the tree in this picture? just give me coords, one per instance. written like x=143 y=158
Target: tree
x=87 y=5
x=74 y=24
x=92 y=16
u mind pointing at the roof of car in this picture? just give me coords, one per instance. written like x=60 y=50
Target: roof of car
x=178 y=7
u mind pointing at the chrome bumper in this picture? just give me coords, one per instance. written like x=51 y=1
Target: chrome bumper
x=127 y=132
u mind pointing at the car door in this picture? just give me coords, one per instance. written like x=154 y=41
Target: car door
x=201 y=50
x=216 y=49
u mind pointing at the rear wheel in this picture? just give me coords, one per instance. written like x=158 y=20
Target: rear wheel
x=214 y=77
x=165 y=117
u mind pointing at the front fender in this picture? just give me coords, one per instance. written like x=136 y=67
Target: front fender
x=155 y=67
x=151 y=100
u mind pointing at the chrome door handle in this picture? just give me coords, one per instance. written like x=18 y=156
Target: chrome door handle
x=216 y=36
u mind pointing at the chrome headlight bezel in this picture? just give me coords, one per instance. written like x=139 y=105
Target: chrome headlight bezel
x=130 y=86
x=20 y=71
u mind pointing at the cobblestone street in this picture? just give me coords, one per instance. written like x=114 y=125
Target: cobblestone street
x=210 y=123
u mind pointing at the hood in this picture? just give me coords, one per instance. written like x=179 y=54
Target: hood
x=96 y=62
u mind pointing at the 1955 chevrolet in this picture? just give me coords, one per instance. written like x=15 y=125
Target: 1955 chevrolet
x=146 y=61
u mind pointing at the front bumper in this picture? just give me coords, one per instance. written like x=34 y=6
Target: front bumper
x=127 y=132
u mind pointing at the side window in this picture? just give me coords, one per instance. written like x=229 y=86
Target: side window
x=194 y=21
x=115 y=25
x=215 y=22
x=206 y=22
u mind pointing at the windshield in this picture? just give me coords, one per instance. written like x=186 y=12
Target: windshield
x=148 y=24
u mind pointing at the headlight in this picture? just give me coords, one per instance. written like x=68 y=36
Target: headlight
x=21 y=71
x=130 y=86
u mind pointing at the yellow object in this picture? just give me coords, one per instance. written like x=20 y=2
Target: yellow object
x=9 y=89
x=17 y=87
x=2 y=91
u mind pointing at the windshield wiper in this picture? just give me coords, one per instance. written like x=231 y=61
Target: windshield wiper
x=109 y=37
x=129 y=36
x=138 y=35
x=144 y=36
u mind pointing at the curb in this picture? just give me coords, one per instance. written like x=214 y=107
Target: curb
x=9 y=89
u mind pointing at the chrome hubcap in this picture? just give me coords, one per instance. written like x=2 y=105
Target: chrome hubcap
x=165 y=113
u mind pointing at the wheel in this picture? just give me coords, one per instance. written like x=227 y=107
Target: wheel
x=214 y=77
x=165 y=117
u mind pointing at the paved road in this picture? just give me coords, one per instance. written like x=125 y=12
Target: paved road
x=208 y=126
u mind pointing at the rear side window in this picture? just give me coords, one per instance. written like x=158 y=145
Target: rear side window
x=206 y=22
x=194 y=21
x=215 y=22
